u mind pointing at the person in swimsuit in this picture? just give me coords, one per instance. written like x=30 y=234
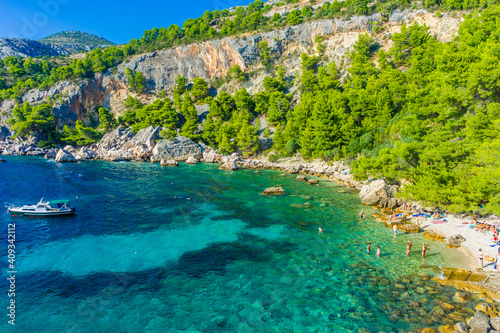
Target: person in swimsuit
x=424 y=248
x=378 y=251
x=408 y=248
x=320 y=229
x=368 y=248
x=395 y=229
x=480 y=257
x=362 y=214
x=497 y=263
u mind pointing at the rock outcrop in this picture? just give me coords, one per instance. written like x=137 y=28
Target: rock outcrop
x=191 y=160
x=432 y=235
x=455 y=240
x=273 y=191
x=301 y=178
x=409 y=228
x=18 y=47
x=64 y=156
x=172 y=163
x=379 y=193
x=179 y=149
x=52 y=153
x=231 y=166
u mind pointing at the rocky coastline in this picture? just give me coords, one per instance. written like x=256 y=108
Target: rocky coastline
x=122 y=145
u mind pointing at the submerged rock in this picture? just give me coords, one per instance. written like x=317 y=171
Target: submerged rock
x=273 y=190
x=64 y=156
x=312 y=182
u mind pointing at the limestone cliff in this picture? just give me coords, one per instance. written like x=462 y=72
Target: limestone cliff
x=77 y=100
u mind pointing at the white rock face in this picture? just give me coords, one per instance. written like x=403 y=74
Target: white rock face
x=229 y=166
x=179 y=149
x=64 y=156
x=191 y=160
x=378 y=192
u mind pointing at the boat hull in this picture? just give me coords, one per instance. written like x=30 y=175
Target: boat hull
x=15 y=212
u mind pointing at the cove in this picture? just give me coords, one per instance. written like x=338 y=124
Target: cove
x=213 y=254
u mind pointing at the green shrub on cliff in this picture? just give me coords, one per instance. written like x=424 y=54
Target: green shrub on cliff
x=29 y=120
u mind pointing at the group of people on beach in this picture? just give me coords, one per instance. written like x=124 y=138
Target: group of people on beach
x=484 y=226
x=481 y=258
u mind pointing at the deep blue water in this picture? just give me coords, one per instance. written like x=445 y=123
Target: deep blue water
x=197 y=249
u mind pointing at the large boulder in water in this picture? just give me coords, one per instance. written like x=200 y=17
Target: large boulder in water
x=379 y=192
x=64 y=156
x=146 y=136
x=179 y=149
x=51 y=153
x=172 y=163
x=191 y=160
x=85 y=154
x=231 y=166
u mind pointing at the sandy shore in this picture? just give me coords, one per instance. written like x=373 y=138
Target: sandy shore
x=475 y=239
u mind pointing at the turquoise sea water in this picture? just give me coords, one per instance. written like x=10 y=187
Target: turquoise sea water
x=197 y=249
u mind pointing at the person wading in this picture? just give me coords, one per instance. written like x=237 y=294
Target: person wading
x=408 y=248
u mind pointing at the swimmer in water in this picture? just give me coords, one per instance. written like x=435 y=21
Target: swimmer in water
x=368 y=248
x=320 y=229
x=378 y=251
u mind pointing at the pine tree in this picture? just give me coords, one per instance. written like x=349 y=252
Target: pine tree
x=248 y=140
x=225 y=145
x=307 y=145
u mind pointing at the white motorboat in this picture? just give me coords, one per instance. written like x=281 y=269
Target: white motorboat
x=43 y=208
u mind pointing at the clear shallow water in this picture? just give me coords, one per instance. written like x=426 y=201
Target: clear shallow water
x=196 y=249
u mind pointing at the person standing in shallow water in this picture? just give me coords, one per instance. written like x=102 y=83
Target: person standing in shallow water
x=378 y=250
x=362 y=214
x=320 y=230
x=395 y=229
x=368 y=248
x=480 y=257
x=424 y=248
x=408 y=248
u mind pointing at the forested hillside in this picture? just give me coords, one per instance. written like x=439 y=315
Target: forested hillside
x=423 y=112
